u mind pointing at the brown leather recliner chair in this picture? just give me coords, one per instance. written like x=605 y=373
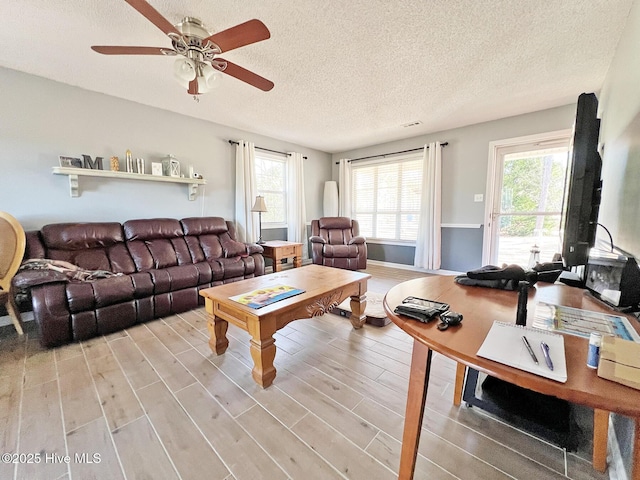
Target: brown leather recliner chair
x=336 y=242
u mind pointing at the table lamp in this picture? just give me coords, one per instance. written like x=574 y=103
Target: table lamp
x=259 y=206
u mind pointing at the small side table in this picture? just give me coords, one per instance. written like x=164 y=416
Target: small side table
x=276 y=250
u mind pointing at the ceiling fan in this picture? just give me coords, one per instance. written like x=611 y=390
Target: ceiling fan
x=197 y=50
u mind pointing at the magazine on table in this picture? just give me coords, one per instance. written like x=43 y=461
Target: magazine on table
x=262 y=297
x=581 y=323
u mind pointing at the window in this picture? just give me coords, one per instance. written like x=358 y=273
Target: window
x=386 y=198
x=271 y=179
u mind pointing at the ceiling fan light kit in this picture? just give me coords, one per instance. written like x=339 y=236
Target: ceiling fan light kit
x=197 y=67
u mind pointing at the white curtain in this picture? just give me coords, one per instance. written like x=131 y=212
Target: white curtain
x=296 y=211
x=246 y=191
x=344 y=187
x=428 y=253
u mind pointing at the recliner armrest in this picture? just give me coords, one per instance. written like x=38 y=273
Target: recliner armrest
x=357 y=240
x=254 y=248
x=317 y=239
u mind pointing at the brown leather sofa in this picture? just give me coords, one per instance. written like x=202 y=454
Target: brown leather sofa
x=162 y=264
x=336 y=242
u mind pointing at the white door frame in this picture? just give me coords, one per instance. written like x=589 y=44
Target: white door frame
x=494 y=179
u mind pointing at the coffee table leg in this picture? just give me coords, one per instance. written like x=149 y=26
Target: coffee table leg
x=263 y=351
x=218 y=330
x=358 y=304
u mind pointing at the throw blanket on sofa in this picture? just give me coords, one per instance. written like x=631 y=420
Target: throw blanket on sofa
x=72 y=272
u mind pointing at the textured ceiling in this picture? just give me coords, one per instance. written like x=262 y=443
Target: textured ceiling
x=347 y=73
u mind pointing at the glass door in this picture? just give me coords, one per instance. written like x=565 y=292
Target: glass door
x=526 y=207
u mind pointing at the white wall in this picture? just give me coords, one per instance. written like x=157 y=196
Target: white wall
x=41 y=119
x=620 y=134
x=464 y=160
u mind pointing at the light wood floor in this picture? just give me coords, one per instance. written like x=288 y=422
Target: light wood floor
x=154 y=402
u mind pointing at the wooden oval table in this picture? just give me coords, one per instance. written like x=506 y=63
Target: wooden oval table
x=481 y=307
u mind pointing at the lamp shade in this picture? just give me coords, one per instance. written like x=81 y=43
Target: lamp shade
x=259 y=205
x=184 y=70
x=208 y=79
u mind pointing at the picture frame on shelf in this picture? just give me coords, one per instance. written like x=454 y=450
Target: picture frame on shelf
x=70 y=162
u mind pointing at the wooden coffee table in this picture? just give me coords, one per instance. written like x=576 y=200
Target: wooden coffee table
x=325 y=288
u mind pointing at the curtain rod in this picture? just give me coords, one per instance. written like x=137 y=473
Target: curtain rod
x=233 y=142
x=444 y=144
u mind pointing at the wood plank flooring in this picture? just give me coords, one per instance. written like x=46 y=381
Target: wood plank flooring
x=155 y=402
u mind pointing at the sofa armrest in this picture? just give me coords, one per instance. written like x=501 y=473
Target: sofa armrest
x=26 y=279
x=232 y=248
x=356 y=240
x=317 y=239
x=254 y=248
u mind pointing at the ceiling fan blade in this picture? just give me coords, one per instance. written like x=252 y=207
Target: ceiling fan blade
x=193 y=87
x=153 y=16
x=246 y=76
x=244 y=34
x=116 y=50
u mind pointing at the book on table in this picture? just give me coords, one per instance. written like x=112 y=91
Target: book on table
x=262 y=297
x=504 y=344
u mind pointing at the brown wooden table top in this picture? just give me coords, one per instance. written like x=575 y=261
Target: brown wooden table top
x=481 y=306
x=279 y=243
x=315 y=280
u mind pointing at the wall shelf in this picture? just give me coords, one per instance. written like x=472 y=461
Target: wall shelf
x=74 y=173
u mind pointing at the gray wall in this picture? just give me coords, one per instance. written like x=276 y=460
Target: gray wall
x=620 y=134
x=42 y=119
x=464 y=173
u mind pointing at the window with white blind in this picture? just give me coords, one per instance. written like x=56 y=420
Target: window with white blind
x=271 y=180
x=386 y=198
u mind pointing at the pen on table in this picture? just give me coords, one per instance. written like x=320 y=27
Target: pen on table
x=533 y=355
x=547 y=357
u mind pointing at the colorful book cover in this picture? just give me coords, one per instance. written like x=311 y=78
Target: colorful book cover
x=266 y=296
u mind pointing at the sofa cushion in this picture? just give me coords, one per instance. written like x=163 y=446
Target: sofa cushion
x=151 y=229
x=183 y=276
x=93 y=246
x=340 y=251
x=107 y=291
x=156 y=243
x=232 y=267
x=196 y=226
x=210 y=237
x=142 y=284
x=329 y=223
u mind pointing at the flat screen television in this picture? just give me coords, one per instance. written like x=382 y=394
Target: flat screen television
x=584 y=185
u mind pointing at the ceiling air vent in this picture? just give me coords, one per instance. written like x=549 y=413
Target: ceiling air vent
x=412 y=124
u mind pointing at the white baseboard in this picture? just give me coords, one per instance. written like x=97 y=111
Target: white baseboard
x=403 y=266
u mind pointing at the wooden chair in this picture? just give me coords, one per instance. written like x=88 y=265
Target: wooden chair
x=12 y=245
